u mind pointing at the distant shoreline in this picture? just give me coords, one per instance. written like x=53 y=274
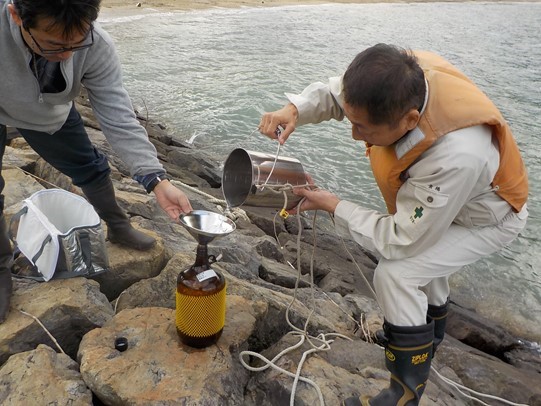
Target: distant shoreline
x=129 y=7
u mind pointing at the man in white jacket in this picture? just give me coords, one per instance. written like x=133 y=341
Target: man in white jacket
x=452 y=178
x=50 y=49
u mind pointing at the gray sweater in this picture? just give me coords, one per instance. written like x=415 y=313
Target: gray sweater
x=22 y=105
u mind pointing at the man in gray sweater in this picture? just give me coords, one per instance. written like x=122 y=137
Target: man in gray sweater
x=49 y=49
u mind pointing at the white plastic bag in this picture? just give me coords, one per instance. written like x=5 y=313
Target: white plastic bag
x=60 y=233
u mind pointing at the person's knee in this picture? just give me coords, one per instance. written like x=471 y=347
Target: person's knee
x=387 y=275
x=96 y=171
x=98 y=178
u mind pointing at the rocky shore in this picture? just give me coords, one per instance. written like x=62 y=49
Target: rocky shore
x=57 y=345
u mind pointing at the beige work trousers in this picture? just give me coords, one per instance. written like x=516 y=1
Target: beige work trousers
x=405 y=287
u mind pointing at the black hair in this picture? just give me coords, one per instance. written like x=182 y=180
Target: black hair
x=385 y=80
x=72 y=16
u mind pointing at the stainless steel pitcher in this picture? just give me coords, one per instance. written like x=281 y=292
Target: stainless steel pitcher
x=244 y=171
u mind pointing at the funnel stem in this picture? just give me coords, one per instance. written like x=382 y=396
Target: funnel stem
x=201 y=258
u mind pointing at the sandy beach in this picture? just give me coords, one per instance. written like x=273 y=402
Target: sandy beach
x=127 y=5
x=115 y=8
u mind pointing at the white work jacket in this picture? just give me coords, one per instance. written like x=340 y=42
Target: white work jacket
x=449 y=183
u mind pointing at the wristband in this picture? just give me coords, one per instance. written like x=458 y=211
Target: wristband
x=154 y=182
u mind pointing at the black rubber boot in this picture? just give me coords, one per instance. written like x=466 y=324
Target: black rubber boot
x=408 y=355
x=439 y=315
x=6 y=260
x=119 y=230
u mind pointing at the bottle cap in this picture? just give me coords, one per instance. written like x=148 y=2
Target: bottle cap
x=121 y=344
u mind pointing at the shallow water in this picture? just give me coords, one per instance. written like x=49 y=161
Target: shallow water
x=209 y=75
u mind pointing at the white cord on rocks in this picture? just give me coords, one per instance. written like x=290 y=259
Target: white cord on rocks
x=460 y=387
x=232 y=212
x=324 y=339
x=44 y=328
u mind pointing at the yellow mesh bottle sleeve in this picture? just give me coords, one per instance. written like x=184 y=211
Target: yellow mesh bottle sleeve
x=200 y=316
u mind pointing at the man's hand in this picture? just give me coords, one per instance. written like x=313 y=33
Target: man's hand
x=286 y=118
x=172 y=200
x=317 y=199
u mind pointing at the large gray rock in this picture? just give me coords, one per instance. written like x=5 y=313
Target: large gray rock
x=128 y=266
x=487 y=374
x=158 y=291
x=20 y=155
x=158 y=369
x=198 y=164
x=52 y=178
x=282 y=275
x=478 y=332
x=518 y=313
x=19 y=186
x=338 y=265
x=67 y=308
x=43 y=377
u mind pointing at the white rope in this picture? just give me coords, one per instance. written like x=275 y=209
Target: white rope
x=359 y=325
x=355 y=263
x=324 y=341
x=262 y=187
x=210 y=198
x=232 y=212
x=117 y=299
x=34 y=176
x=460 y=387
x=44 y=328
x=272 y=364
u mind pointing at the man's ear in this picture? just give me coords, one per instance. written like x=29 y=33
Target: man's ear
x=15 y=15
x=411 y=119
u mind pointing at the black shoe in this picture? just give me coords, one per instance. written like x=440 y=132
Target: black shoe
x=130 y=237
x=101 y=195
x=353 y=401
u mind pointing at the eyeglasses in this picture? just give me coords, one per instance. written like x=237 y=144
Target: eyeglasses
x=89 y=37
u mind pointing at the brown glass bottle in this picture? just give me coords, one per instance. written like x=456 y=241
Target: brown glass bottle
x=200 y=302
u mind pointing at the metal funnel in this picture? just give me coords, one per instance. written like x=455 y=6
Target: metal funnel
x=205 y=225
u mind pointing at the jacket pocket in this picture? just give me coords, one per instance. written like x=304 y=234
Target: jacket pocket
x=418 y=208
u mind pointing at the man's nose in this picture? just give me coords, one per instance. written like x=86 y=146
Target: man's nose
x=65 y=55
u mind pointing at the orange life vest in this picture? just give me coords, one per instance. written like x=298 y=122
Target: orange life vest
x=454 y=102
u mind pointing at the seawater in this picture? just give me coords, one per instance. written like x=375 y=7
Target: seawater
x=210 y=74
